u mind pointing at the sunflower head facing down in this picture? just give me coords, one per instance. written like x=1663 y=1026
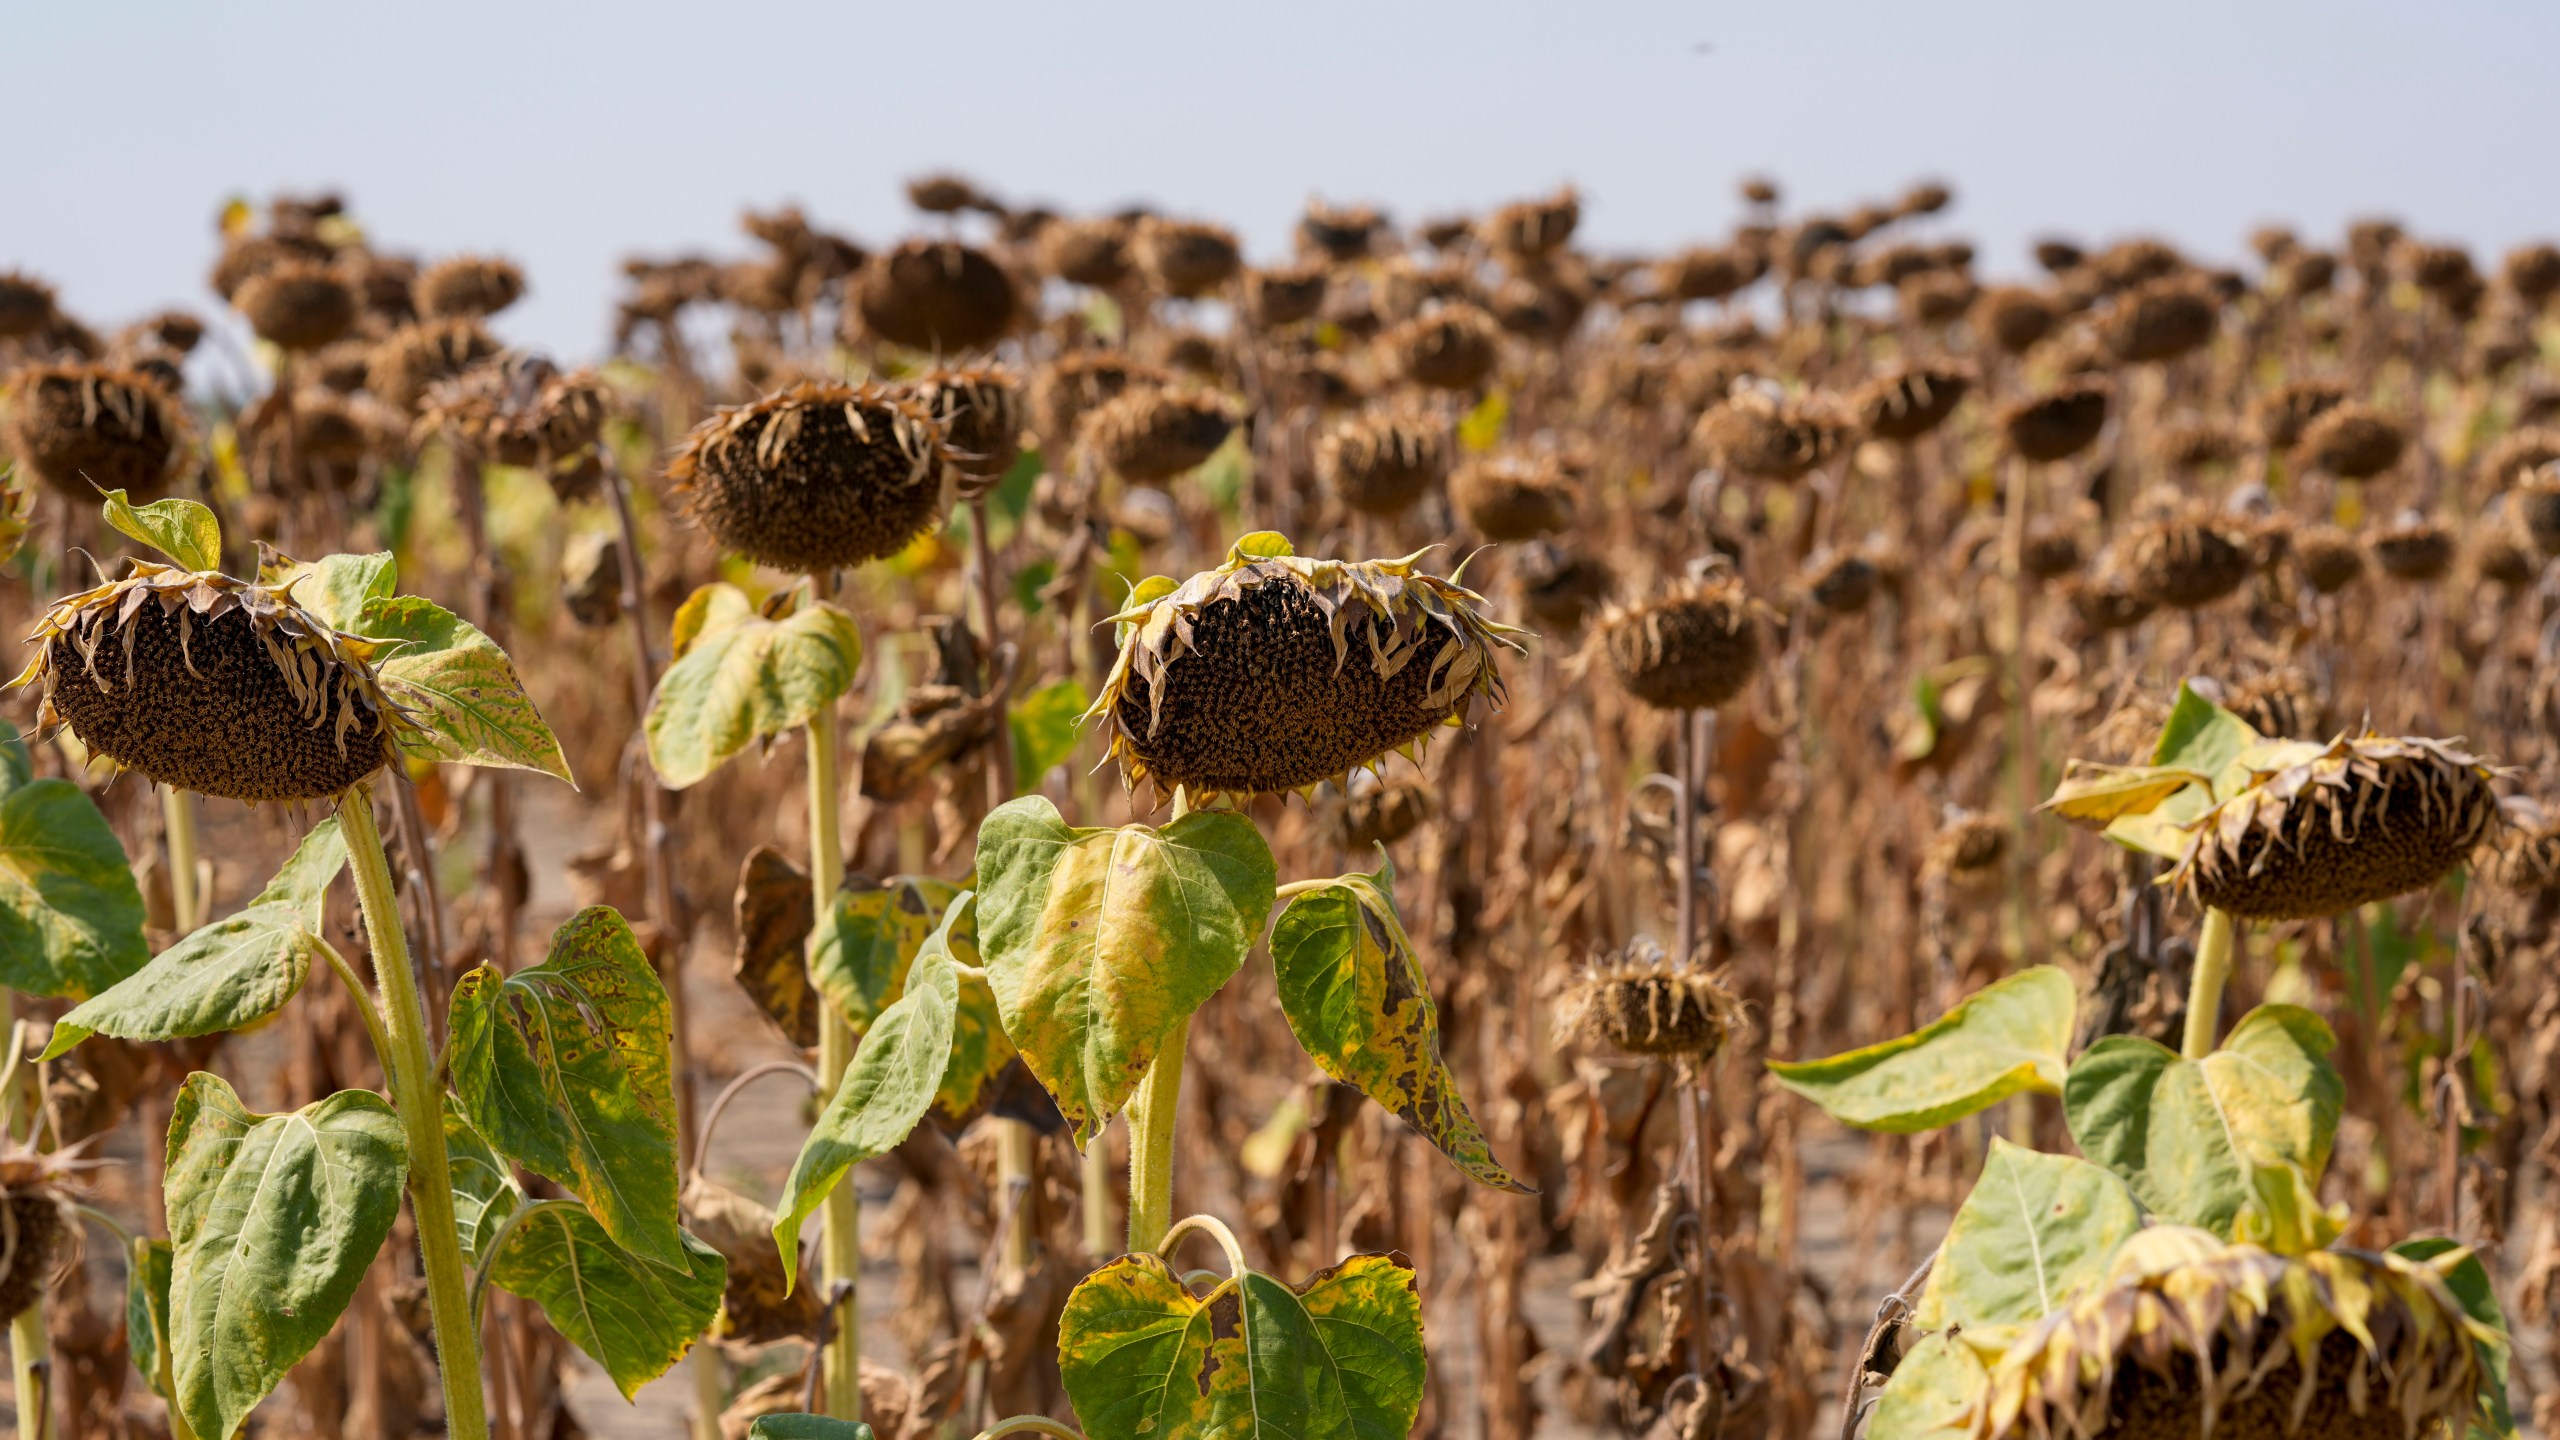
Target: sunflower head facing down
x=1273 y=672
x=2192 y=1337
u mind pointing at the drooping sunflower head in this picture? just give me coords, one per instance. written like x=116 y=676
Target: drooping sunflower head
x=298 y=305
x=815 y=477
x=2184 y=558
x=467 y=287
x=939 y=296
x=1693 y=647
x=1273 y=672
x=206 y=683
x=2361 y=820
x=39 y=1230
x=78 y=426
x=2191 y=1337
x=1640 y=1003
x=1150 y=434
x=980 y=410
x=1381 y=460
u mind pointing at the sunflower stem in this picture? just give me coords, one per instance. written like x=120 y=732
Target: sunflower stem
x=1151 y=1125
x=2214 y=951
x=840 y=1247
x=31 y=1373
x=178 y=818
x=419 y=1097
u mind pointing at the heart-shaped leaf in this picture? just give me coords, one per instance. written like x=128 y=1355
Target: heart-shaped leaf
x=70 y=913
x=232 y=973
x=2185 y=1134
x=744 y=678
x=1100 y=941
x=885 y=1091
x=333 y=587
x=273 y=1220
x=635 y=1317
x=458 y=685
x=564 y=1067
x=2035 y=1231
x=1357 y=1000
x=2010 y=1036
x=180 y=529
x=1339 y=1358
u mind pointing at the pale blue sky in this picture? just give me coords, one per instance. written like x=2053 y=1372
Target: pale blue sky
x=568 y=135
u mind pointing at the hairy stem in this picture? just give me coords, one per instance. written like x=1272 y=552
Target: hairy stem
x=840 y=1248
x=2214 y=951
x=418 y=1095
x=1151 y=1123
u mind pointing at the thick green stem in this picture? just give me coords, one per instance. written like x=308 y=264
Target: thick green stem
x=1151 y=1123
x=2214 y=950
x=31 y=1372
x=186 y=896
x=840 y=1247
x=419 y=1097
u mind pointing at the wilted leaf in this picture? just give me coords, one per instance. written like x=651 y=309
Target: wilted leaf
x=1340 y=1357
x=1099 y=942
x=2468 y=1279
x=775 y=913
x=70 y=913
x=2185 y=1133
x=460 y=686
x=859 y=956
x=885 y=1091
x=180 y=529
x=635 y=1317
x=743 y=679
x=1357 y=1000
x=2010 y=1036
x=2035 y=1231
x=273 y=1219
x=231 y=973
x=979 y=1050
x=2096 y=794
x=564 y=1067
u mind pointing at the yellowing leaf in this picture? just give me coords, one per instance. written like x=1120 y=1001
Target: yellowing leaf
x=180 y=529
x=459 y=686
x=2096 y=794
x=2035 y=1232
x=1357 y=1000
x=2010 y=1036
x=744 y=679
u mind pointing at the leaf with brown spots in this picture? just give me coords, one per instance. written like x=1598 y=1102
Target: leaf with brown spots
x=774 y=920
x=565 y=1068
x=1357 y=999
x=859 y=957
x=1339 y=1358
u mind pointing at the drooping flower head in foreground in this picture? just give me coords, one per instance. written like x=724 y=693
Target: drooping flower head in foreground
x=815 y=477
x=1273 y=672
x=2190 y=1336
x=206 y=683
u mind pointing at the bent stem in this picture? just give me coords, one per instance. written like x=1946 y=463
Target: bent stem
x=2204 y=993
x=840 y=1248
x=419 y=1097
x=1028 y=1425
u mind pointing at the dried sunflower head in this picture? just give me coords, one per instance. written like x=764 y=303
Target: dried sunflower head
x=1340 y=232
x=2353 y=822
x=76 y=426
x=1842 y=582
x=2534 y=504
x=2184 y=559
x=1151 y=434
x=414 y=357
x=297 y=305
x=1770 y=437
x=1273 y=672
x=1532 y=228
x=1081 y=380
x=1285 y=294
x=1640 y=1003
x=2161 y=320
x=2416 y=549
x=2284 y=703
x=1187 y=258
x=1452 y=347
x=39 y=1228
x=2352 y=441
x=1513 y=495
x=1693 y=647
x=1092 y=251
x=2329 y=558
x=1383 y=459
x=1968 y=848
x=980 y=410
x=2015 y=317
x=2057 y=424
x=205 y=683
x=1914 y=400
x=467 y=287
x=938 y=296
x=1376 y=811
x=26 y=305
x=815 y=477
x=2190 y=1336
x=1561 y=587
